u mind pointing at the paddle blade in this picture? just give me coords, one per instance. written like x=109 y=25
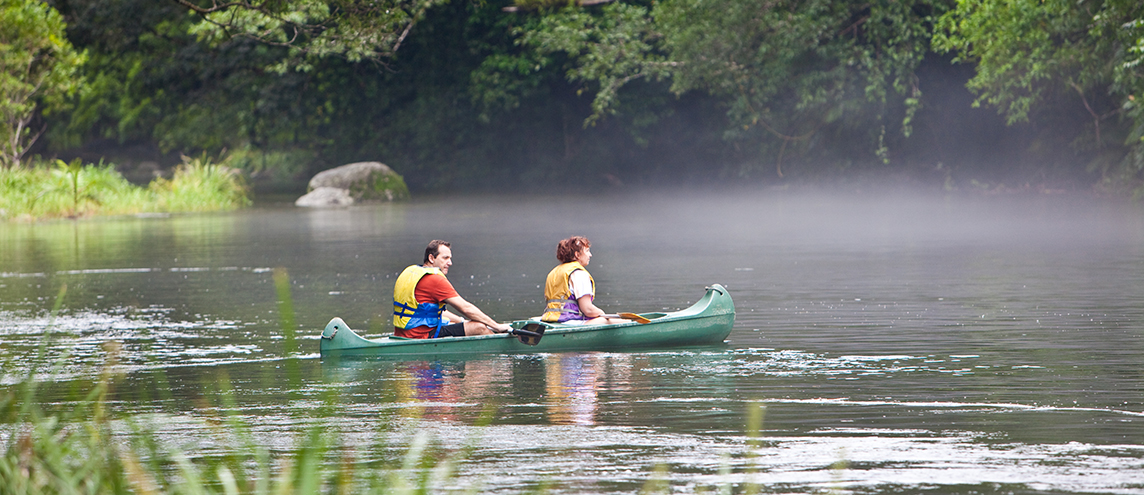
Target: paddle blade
x=634 y=317
x=530 y=334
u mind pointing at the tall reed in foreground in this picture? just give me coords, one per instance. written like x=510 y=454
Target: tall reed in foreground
x=83 y=446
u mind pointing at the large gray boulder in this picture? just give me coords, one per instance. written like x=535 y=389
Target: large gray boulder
x=326 y=197
x=361 y=182
x=365 y=181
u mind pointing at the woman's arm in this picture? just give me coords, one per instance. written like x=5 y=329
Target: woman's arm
x=590 y=310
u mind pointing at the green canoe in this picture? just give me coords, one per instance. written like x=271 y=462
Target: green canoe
x=708 y=321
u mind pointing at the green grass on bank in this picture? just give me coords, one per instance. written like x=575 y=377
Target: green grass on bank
x=74 y=190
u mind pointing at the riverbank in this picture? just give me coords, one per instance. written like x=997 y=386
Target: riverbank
x=75 y=190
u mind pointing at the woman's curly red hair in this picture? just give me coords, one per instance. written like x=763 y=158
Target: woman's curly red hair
x=567 y=249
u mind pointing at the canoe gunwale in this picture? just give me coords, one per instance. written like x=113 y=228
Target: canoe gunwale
x=339 y=338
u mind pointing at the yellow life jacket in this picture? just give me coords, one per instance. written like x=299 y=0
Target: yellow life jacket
x=562 y=305
x=406 y=312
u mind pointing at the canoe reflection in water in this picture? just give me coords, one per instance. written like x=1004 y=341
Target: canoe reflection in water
x=570 y=382
x=566 y=386
x=573 y=383
x=450 y=391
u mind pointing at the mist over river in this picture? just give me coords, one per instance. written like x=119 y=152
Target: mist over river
x=898 y=343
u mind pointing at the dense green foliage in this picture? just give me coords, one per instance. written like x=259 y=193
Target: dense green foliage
x=785 y=71
x=1033 y=55
x=496 y=95
x=38 y=69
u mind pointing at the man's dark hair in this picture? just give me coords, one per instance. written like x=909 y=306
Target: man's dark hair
x=431 y=249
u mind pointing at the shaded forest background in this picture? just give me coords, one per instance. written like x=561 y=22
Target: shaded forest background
x=496 y=95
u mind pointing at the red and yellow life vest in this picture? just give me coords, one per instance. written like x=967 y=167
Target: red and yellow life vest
x=406 y=312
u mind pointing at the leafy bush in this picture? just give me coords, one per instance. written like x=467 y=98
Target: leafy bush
x=199 y=185
x=68 y=190
x=72 y=190
x=276 y=165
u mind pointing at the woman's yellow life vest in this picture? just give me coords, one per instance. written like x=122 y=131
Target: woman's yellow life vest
x=561 y=305
x=406 y=312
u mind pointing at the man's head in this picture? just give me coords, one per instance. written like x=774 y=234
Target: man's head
x=438 y=254
x=569 y=249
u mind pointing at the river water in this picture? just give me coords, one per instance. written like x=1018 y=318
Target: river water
x=893 y=342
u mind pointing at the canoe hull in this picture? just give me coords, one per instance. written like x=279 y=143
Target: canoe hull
x=708 y=321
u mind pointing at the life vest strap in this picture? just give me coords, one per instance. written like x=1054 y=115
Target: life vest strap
x=562 y=308
x=400 y=309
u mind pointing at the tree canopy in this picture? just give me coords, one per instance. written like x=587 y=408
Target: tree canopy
x=37 y=71
x=460 y=94
x=1031 y=55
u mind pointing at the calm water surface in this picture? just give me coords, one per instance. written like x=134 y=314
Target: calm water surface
x=897 y=343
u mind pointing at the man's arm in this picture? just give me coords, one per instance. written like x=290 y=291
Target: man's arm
x=470 y=310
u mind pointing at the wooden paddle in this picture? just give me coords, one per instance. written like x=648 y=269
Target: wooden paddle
x=630 y=316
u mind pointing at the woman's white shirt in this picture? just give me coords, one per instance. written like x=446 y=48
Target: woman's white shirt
x=581 y=284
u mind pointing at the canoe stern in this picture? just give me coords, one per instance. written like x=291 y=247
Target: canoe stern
x=339 y=336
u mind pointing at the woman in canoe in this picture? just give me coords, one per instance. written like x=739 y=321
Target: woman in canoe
x=570 y=289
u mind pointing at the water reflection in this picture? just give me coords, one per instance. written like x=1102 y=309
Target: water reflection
x=574 y=383
x=567 y=386
x=449 y=391
x=571 y=383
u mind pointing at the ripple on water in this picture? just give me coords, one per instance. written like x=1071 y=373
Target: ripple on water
x=149 y=338
x=575 y=459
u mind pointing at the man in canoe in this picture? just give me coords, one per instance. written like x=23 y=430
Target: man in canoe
x=421 y=294
x=570 y=289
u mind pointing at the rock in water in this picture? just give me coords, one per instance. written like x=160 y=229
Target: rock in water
x=366 y=181
x=326 y=197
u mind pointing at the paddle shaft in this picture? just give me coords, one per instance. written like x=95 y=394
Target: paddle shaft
x=630 y=316
x=521 y=331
